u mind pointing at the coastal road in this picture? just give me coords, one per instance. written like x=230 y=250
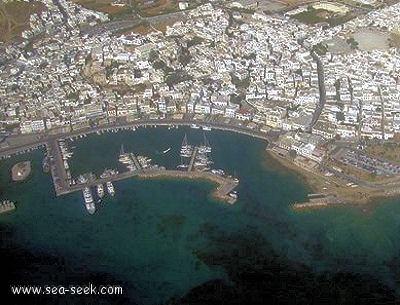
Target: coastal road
x=44 y=139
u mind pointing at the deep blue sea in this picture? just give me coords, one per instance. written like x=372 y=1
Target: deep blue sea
x=167 y=241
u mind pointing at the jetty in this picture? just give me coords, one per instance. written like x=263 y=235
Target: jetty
x=316 y=201
x=225 y=184
x=192 y=158
x=309 y=205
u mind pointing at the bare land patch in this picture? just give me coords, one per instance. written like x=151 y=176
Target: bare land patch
x=104 y=6
x=14 y=18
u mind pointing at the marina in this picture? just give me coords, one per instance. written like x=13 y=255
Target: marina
x=195 y=164
x=194 y=159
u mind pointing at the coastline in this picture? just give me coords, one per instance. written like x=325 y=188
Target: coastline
x=313 y=179
x=336 y=190
x=40 y=140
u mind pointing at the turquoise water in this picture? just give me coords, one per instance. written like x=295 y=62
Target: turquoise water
x=152 y=234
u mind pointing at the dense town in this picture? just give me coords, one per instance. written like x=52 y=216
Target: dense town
x=308 y=84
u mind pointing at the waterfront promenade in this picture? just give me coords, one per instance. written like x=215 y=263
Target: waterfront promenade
x=44 y=139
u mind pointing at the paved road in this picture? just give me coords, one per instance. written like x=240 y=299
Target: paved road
x=322 y=90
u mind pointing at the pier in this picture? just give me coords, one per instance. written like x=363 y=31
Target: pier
x=225 y=184
x=136 y=162
x=316 y=201
x=309 y=205
x=58 y=172
x=192 y=158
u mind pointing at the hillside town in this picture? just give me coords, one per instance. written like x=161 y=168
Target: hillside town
x=309 y=83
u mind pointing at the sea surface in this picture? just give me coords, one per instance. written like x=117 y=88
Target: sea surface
x=167 y=241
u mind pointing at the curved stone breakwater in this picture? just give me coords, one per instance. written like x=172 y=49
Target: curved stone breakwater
x=226 y=184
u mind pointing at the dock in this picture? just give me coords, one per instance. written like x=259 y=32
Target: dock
x=192 y=158
x=309 y=205
x=57 y=170
x=316 y=201
x=136 y=162
x=225 y=184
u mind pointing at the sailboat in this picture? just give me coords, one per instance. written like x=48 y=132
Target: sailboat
x=207 y=146
x=186 y=149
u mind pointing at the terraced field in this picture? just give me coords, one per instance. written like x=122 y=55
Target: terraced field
x=107 y=6
x=120 y=8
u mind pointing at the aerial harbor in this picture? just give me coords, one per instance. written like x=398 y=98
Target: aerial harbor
x=200 y=152
x=197 y=167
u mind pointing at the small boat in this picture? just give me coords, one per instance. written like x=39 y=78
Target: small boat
x=100 y=190
x=233 y=195
x=89 y=203
x=110 y=188
x=167 y=150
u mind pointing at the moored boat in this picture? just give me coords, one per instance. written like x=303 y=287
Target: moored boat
x=7 y=206
x=46 y=164
x=89 y=202
x=100 y=190
x=110 y=188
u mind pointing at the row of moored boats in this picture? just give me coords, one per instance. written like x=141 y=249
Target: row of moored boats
x=88 y=196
